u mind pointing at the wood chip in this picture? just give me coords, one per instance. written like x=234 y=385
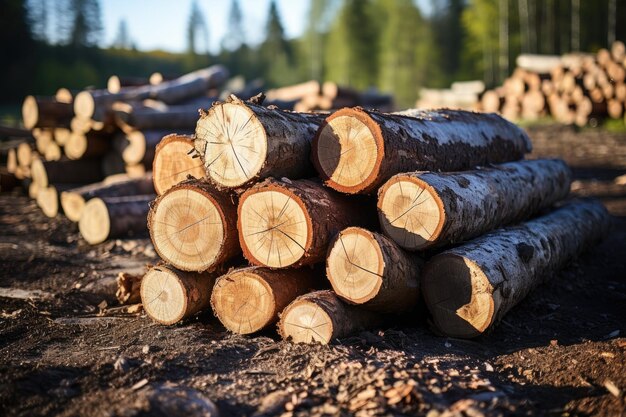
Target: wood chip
x=612 y=388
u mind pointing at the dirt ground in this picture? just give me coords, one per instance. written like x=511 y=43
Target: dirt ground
x=561 y=352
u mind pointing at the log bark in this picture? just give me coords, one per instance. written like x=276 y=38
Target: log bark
x=45 y=112
x=83 y=171
x=321 y=317
x=193 y=226
x=177 y=117
x=7 y=181
x=369 y=269
x=169 y=295
x=96 y=104
x=283 y=223
x=356 y=151
x=73 y=201
x=174 y=160
x=471 y=287
x=419 y=210
x=112 y=217
x=128 y=288
x=240 y=142
x=247 y=300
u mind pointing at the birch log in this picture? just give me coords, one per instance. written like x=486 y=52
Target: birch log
x=247 y=300
x=423 y=209
x=193 y=226
x=469 y=288
x=240 y=142
x=356 y=151
x=285 y=223
x=321 y=316
x=369 y=269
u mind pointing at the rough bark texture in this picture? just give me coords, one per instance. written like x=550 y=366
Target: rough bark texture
x=176 y=117
x=111 y=217
x=326 y=213
x=468 y=203
x=73 y=201
x=175 y=160
x=282 y=140
x=440 y=140
x=160 y=294
x=469 y=288
x=387 y=281
x=82 y=171
x=188 y=227
x=247 y=300
x=326 y=318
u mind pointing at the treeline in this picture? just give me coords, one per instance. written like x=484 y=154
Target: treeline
x=390 y=45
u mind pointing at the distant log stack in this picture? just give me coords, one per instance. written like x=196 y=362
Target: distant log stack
x=574 y=88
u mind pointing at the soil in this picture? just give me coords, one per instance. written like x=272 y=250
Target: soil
x=66 y=349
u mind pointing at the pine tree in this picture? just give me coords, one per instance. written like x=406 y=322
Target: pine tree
x=86 y=27
x=196 y=23
x=122 y=39
x=352 y=52
x=276 y=52
x=235 y=36
x=405 y=66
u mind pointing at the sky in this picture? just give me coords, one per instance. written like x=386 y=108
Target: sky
x=161 y=24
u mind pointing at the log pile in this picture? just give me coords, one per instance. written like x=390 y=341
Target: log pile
x=284 y=242
x=576 y=89
x=324 y=225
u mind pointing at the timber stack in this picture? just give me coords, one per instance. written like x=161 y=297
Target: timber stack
x=326 y=225
x=575 y=88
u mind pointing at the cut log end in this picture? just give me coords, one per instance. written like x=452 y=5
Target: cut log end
x=304 y=321
x=173 y=162
x=95 y=223
x=38 y=173
x=84 y=105
x=348 y=150
x=30 y=112
x=243 y=302
x=48 y=201
x=164 y=296
x=410 y=212
x=274 y=228
x=355 y=265
x=187 y=229
x=73 y=205
x=236 y=144
x=468 y=310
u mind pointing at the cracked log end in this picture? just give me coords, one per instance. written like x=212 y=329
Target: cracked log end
x=348 y=150
x=235 y=143
x=458 y=295
x=244 y=302
x=187 y=228
x=410 y=212
x=173 y=163
x=305 y=321
x=355 y=265
x=163 y=295
x=274 y=227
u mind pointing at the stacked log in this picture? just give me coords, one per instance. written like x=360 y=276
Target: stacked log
x=462 y=95
x=576 y=89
